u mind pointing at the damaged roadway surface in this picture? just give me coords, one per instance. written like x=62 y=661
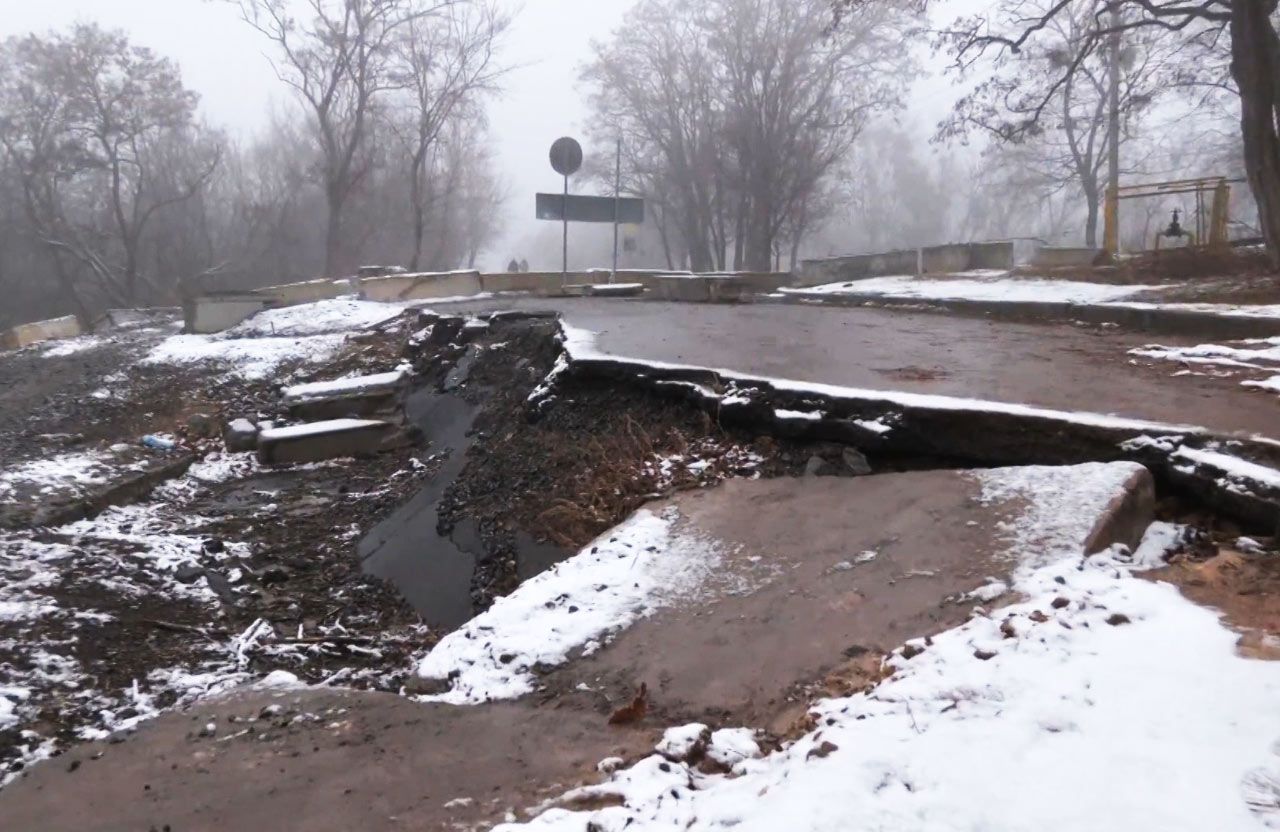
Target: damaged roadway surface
x=1053 y=366
x=815 y=577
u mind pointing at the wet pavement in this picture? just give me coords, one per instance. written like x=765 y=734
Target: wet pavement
x=1056 y=366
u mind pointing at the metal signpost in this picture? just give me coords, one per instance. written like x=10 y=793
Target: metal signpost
x=566 y=159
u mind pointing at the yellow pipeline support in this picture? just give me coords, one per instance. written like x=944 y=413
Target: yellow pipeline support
x=1111 y=223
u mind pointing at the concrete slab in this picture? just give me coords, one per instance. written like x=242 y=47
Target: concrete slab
x=356 y=397
x=60 y=489
x=343 y=761
x=24 y=335
x=318 y=441
x=816 y=571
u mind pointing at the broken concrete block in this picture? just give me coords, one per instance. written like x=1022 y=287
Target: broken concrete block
x=356 y=387
x=446 y=331
x=319 y=441
x=855 y=462
x=358 y=397
x=202 y=426
x=241 y=435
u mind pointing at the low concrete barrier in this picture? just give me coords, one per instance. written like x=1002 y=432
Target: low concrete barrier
x=310 y=291
x=1163 y=321
x=421 y=286
x=24 y=335
x=1052 y=257
x=217 y=313
x=998 y=255
x=945 y=259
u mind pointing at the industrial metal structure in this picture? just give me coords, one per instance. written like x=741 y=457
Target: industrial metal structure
x=1211 y=232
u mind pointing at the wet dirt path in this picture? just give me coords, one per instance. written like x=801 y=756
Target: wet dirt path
x=1045 y=365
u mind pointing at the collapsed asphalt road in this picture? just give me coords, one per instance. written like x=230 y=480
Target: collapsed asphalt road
x=1054 y=366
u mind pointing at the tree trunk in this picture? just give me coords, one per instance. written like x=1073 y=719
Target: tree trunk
x=759 y=246
x=1255 y=60
x=333 y=233
x=1091 y=217
x=419 y=210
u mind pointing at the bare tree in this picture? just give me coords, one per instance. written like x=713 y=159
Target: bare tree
x=654 y=86
x=1246 y=27
x=736 y=114
x=102 y=138
x=450 y=64
x=340 y=63
x=1068 y=139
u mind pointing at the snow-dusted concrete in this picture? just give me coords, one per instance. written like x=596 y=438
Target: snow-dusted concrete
x=1100 y=701
x=345 y=387
x=685 y=587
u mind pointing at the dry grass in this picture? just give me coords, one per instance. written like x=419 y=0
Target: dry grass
x=613 y=476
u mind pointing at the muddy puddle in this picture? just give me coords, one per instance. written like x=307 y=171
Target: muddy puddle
x=432 y=572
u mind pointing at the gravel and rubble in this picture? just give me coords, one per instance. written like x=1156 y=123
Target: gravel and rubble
x=234 y=570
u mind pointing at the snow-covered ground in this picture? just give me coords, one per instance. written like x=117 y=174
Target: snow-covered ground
x=983 y=286
x=310 y=333
x=1101 y=701
x=318 y=318
x=1000 y=287
x=59 y=587
x=1251 y=357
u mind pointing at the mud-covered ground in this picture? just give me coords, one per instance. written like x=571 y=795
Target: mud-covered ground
x=233 y=571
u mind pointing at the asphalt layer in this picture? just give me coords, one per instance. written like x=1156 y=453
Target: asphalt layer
x=1058 y=366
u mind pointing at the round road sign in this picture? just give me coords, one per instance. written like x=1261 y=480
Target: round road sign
x=566 y=156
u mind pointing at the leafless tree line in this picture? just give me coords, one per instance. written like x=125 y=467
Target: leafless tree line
x=1215 y=47
x=736 y=115
x=114 y=193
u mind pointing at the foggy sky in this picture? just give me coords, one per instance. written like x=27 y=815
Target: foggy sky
x=223 y=60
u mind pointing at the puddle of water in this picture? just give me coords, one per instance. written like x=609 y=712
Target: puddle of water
x=250 y=494
x=434 y=573
x=431 y=571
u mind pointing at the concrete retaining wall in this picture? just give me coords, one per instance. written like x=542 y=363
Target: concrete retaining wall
x=217 y=313
x=293 y=294
x=946 y=259
x=421 y=286
x=1049 y=257
x=1000 y=255
x=25 y=335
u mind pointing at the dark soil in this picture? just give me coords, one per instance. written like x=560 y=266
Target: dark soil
x=565 y=469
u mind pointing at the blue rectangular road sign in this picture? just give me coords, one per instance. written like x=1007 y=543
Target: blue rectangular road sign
x=590 y=209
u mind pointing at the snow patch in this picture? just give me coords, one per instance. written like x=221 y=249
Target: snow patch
x=1188 y=730
x=628 y=573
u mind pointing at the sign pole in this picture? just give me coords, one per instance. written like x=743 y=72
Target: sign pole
x=617 y=197
x=564 y=275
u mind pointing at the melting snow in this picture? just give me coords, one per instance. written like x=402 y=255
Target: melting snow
x=319 y=318
x=1256 y=355
x=1069 y=724
x=998 y=287
x=628 y=573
